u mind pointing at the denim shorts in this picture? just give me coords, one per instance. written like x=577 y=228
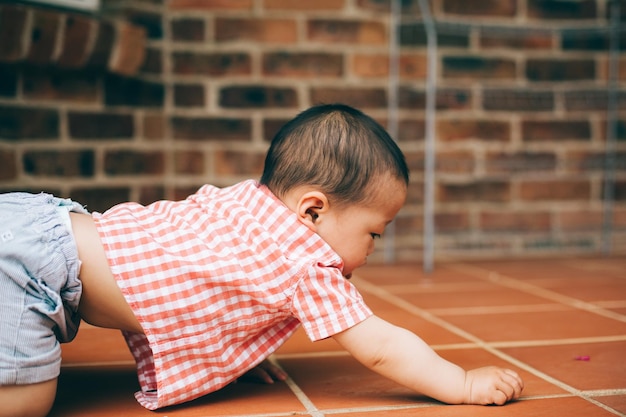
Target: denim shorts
x=39 y=286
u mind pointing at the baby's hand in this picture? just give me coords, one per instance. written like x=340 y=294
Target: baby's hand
x=265 y=372
x=492 y=385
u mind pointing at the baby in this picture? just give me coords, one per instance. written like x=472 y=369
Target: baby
x=205 y=289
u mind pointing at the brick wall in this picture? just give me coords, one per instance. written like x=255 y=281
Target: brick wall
x=195 y=95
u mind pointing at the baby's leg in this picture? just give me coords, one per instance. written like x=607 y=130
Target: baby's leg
x=31 y=400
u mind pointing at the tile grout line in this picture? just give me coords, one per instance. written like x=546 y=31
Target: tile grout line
x=399 y=302
x=509 y=282
x=298 y=392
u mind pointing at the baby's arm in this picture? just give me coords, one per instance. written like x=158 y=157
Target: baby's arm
x=403 y=357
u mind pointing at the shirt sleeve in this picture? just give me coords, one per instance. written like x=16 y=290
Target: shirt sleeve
x=326 y=303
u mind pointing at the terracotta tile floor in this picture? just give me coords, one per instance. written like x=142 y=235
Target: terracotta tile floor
x=536 y=316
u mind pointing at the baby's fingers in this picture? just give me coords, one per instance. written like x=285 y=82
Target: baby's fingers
x=510 y=386
x=515 y=382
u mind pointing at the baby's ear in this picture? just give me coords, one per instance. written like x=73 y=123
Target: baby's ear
x=311 y=205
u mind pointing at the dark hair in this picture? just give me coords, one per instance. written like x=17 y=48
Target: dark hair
x=335 y=147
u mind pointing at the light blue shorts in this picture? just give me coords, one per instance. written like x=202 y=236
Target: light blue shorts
x=39 y=286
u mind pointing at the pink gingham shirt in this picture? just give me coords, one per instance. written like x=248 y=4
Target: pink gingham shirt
x=218 y=282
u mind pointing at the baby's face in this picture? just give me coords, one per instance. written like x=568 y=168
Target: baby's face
x=352 y=230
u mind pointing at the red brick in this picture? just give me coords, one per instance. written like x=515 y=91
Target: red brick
x=452 y=222
x=586 y=100
x=517 y=100
x=50 y=84
x=577 y=40
x=414 y=34
x=8 y=164
x=584 y=161
x=603 y=72
x=492 y=8
x=153 y=62
x=515 y=221
x=13 y=33
x=468 y=129
x=455 y=162
x=358 y=97
x=210 y=4
x=517 y=39
x=303 y=64
x=453 y=99
x=579 y=220
x=188 y=29
x=148 y=21
x=150 y=193
x=447 y=99
x=258 y=96
x=411 y=130
x=619 y=218
x=561 y=9
x=472 y=67
x=87 y=125
x=63 y=163
x=411 y=98
x=128 y=49
x=154 y=126
x=410 y=66
x=415 y=193
x=477 y=191
x=123 y=91
x=103 y=45
x=555 y=190
x=100 y=198
x=385 y=6
x=619 y=190
x=555 y=130
x=347 y=32
x=8 y=80
x=30 y=123
x=189 y=95
x=182 y=192
x=415 y=161
x=304 y=5
x=560 y=69
x=482 y=246
x=189 y=162
x=587 y=161
x=212 y=64
x=44 y=37
x=620 y=134
x=129 y=162
x=34 y=189
x=282 y=31
x=75 y=47
x=197 y=128
x=271 y=127
x=519 y=162
x=238 y=163
x=408 y=226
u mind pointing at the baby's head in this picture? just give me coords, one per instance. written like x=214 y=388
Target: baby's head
x=336 y=148
x=343 y=176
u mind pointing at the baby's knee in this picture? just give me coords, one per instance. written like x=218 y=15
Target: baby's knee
x=31 y=400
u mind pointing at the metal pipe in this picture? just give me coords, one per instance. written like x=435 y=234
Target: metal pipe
x=392 y=111
x=611 y=128
x=429 y=142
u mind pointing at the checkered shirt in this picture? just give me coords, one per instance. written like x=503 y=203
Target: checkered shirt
x=218 y=282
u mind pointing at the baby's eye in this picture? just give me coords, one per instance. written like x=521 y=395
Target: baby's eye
x=375 y=235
